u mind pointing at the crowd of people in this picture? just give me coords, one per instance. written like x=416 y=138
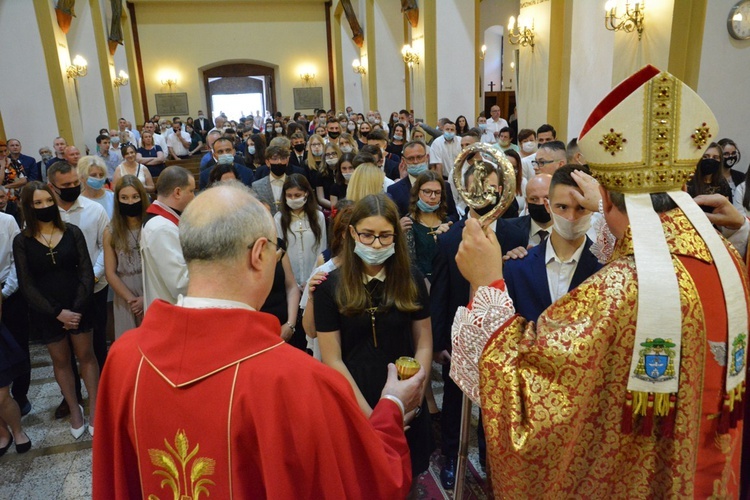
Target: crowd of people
x=364 y=223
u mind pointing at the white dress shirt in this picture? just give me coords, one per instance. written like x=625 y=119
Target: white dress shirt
x=209 y=303
x=8 y=231
x=165 y=274
x=92 y=220
x=496 y=126
x=445 y=152
x=527 y=167
x=559 y=272
x=177 y=147
x=277 y=185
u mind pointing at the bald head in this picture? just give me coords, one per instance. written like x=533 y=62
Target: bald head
x=220 y=224
x=72 y=155
x=537 y=189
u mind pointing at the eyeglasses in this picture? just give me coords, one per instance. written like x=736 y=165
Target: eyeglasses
x=542 y=163
x=331 y=155
x=414 y=159
x=280 y=250
x=369 y=238
x=431 y=192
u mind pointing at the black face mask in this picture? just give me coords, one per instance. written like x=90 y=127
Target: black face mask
x=278 y=169
x=46 y=214
x=299 y=147
x=709 y=166
x=333 y=135
x=70 y=194
x=538 y=213
x=485 y=210
x=730 y=160
x=131 y=209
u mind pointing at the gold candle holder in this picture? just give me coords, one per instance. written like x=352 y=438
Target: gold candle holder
x=406 y=367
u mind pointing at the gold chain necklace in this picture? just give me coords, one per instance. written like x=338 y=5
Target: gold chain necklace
x=371 y=311
x=51 y=252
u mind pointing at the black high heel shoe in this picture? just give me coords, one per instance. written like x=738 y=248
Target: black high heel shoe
x=4 y=449
x=23 y=448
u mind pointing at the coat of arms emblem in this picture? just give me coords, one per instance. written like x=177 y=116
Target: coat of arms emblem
x=737 y=361
x=656 y=362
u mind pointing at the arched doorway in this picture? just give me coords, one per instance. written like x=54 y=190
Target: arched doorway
x=240 y=89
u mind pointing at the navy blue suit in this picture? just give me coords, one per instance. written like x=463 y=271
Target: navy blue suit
x=400 y=193
x=246 y=176
x=526 y=279
x=390 y=168
x=449 y=291
x=523 y=223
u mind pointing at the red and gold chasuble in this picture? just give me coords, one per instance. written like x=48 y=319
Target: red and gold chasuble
x=211 y=403
x=552 y=394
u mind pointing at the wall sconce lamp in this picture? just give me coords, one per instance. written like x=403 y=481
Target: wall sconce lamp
x=169 y=81
x=521 y=34
x=307 y=77
x=410 y=55
x=79 y=67
x=358 y=67
x=121 y=80
x=482 y=52
x=631 y=21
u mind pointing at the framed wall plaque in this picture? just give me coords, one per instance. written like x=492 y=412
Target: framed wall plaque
x=175 y=104
x=308 y=98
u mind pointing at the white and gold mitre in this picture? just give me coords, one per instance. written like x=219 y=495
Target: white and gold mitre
x=648 y=134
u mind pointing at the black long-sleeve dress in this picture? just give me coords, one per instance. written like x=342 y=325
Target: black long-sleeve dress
x=367 y=361
x=51 y=286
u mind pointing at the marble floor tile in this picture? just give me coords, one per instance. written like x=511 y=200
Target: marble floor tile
x=77 y=485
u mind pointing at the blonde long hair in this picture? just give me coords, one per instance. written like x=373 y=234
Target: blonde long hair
x=367 y=179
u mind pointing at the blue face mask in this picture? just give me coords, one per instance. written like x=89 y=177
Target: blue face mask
x=251 y=150
x=482 y=126
x=373 y=256
x=227 y=159
x=95 y=184
x=449 y=136
x=426 y=207
x=415 y=170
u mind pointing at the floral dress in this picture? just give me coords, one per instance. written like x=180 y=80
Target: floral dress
x=12 y=172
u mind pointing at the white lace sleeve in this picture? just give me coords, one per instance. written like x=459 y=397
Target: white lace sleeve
x=604 y=244
x=472 y=329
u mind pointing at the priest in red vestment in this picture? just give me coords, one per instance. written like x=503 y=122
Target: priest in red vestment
x=206 y=400
x=632 y=384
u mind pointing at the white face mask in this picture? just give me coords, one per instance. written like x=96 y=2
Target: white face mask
x=571 y=230
x=346 y=149
x=529 y=147
x=296 y=203
x=347 y=176
x=331 y=161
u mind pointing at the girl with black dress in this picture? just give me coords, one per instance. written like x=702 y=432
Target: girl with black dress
x=375 y=309
x=57 y=280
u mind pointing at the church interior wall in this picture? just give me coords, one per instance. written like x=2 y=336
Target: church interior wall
x=389 y=36
x=456 y=55
x=180 y=38
x=81 y=40
x=533 y=68
x=495 y=13
x=25 y=95
x=724 y=76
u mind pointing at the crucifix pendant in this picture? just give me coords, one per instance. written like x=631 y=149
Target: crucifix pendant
x=372 y=311
x=52 y=253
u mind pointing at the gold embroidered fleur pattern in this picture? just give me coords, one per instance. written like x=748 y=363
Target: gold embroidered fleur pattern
x=681 y=238
x=613 y=142
x=554 y=415
x=174 y=467
x=701 y=136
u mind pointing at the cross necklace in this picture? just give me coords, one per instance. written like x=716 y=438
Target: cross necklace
x=136 y=239
x=51 y=252
x=371 y=311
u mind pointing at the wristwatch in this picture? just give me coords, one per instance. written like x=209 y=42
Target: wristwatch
x=291 y=326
